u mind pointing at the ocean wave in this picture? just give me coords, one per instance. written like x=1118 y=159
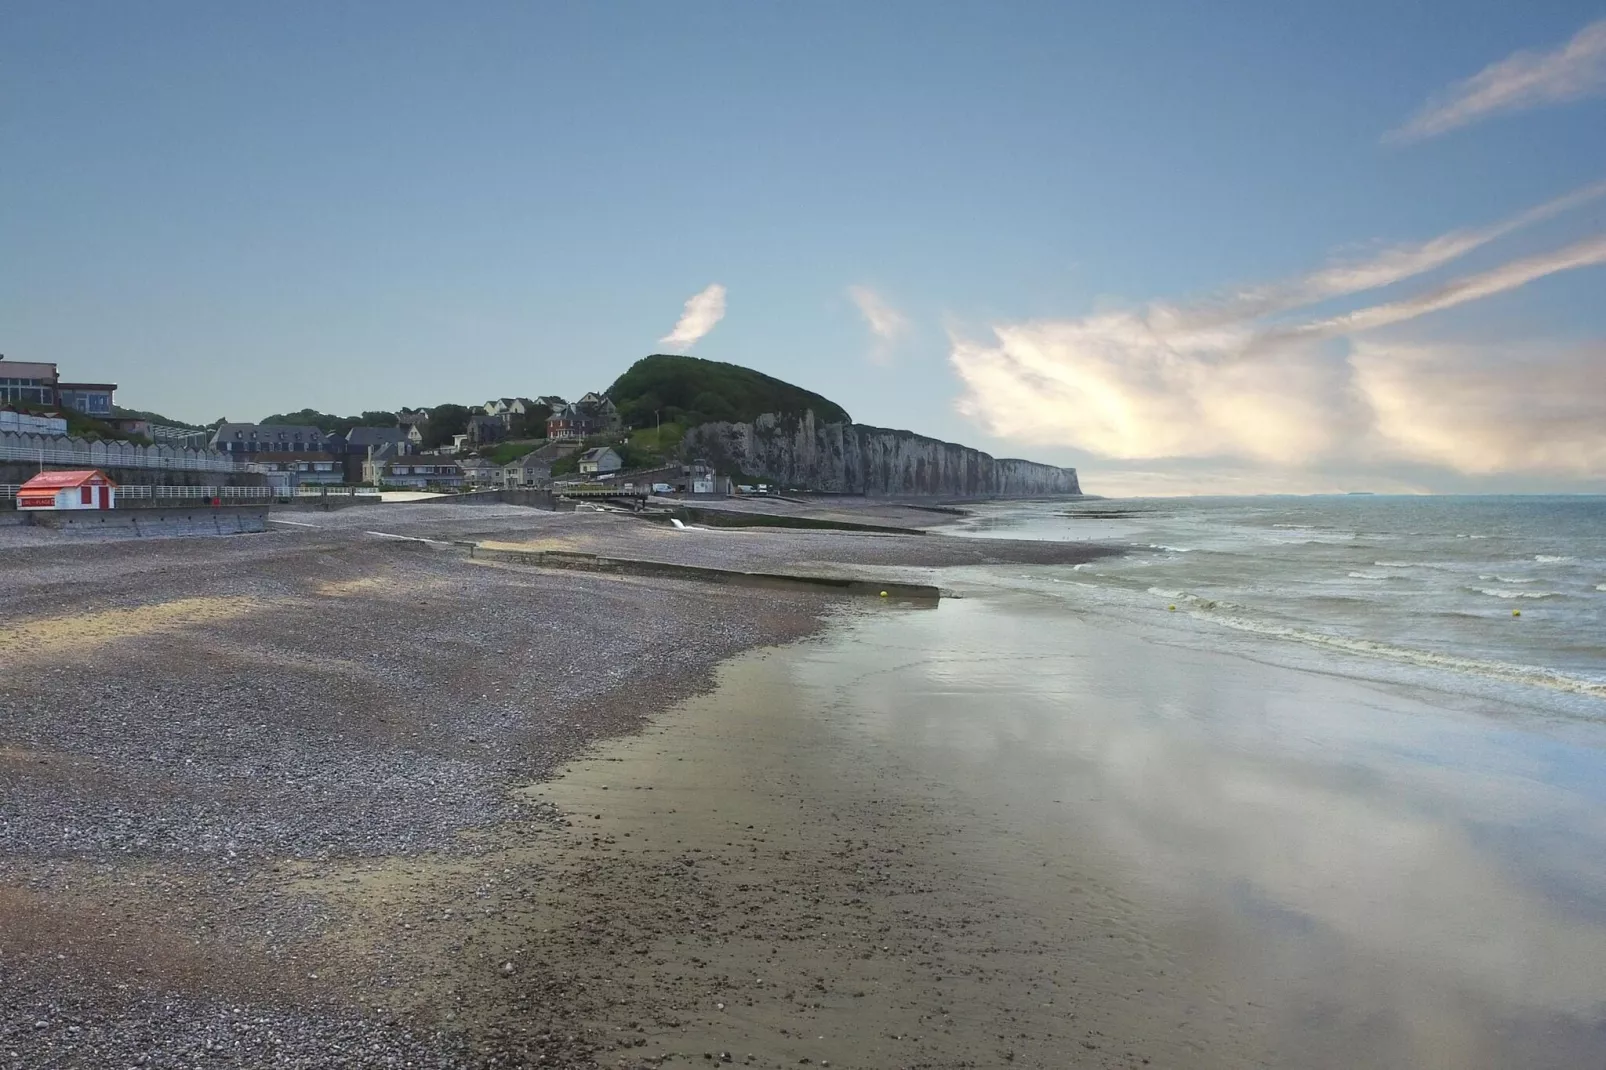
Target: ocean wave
x=1414 y=564
x=1600 y=586
x=1171 y=549
x=1496 y=592
x=1533 y=675
x=1370 y=576
x=1506 y=579
x=1551 y=559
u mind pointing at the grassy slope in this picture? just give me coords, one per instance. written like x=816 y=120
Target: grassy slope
x=691 y=391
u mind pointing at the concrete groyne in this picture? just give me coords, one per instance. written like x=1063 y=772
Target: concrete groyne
x=567 y=559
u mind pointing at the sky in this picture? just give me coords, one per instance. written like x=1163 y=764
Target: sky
x=1187 y=248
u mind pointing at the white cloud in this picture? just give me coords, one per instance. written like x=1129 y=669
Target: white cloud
x=703 y=311
x=1218 y=380
x=1485 y=410
x=1520 y=81
x=885 y=322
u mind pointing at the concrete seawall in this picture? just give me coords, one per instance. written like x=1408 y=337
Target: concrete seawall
x=535 y=499
x=155 y=521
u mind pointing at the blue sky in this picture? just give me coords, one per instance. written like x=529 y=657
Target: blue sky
x=239 y=209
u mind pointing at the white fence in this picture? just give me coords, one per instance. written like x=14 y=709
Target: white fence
x=43 y=450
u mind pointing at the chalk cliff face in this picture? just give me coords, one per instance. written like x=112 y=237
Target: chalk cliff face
x=856 y=459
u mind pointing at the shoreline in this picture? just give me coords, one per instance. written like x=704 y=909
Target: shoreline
x=200 y=727
x=335 y=796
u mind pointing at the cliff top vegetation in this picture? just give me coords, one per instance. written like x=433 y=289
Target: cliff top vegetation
x=691 y=391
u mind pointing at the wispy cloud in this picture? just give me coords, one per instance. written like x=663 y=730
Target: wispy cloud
x=1508 y=276
x=703 y=310
x=1221 y=380
x=1520 y=81
x=885 y=322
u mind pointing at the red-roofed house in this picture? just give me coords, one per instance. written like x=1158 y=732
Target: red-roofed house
x=87 y=489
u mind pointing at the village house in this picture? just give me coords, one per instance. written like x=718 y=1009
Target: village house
x=511 y=412
x=485 y=429
x=245 y=441
x=362 y=441
x=289 y=470
x=417 y=421
x=358 y=439
x=86 y=489
x=38 y=383
x=600 y=461
x=594 y=414
x=531 y=470
x=480 y=473
x=386 y=467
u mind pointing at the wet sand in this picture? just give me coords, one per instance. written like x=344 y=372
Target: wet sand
x=991 y=834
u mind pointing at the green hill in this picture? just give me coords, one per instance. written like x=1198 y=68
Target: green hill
x=156 y=418
x=691 y=391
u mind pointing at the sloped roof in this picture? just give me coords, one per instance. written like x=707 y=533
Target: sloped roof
x=60 y=480
x=374 y=436
x=596 y=452
x=266 y=432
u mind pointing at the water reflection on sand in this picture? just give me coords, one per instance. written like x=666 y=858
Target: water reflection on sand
x=1385 y=880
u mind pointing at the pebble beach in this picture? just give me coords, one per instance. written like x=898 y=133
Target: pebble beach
x=274 y=800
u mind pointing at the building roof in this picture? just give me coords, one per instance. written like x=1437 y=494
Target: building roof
x=267 y=432
x=63 y=480
x=374 y=436
x=86 y=386
x=596 y=452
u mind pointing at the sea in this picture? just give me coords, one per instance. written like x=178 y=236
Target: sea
x=1477 y=595
x=1340 y=761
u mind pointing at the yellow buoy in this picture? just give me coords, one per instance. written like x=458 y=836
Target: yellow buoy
x=1516 y=612
x=1172 y=608
x=883 y=594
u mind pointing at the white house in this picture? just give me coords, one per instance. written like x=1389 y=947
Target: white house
x=86 y=489
x=599 y=461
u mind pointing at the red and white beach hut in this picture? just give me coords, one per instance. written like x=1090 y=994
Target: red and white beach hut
x=86 y=489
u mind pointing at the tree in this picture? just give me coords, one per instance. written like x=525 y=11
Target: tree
x=533 y=423
x=445 y=422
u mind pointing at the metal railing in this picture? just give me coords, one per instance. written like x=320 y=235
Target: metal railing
x=142 y=491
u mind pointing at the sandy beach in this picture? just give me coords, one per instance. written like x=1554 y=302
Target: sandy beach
x=327 y=797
